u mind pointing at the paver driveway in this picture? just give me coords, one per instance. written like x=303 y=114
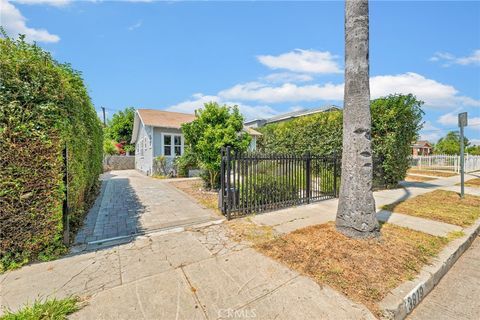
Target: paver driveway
x=131 y=203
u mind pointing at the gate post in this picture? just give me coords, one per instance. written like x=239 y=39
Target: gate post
x=308 y=175
x=335 y=175
x=222 y=182
x=229 y=192
x=65 y=209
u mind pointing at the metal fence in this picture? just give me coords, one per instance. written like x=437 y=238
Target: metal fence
x=253 y=182
x=445 y=163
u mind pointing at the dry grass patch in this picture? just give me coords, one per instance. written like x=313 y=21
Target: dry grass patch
x=473 y=183
x=195 y=189
x=432 y=173
x=246 y=230
x=440 y=205
x=417 y=179
x=364 y=270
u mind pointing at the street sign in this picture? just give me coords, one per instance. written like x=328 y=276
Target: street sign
x=462 y=119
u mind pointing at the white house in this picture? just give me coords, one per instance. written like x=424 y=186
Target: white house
x=158 y=133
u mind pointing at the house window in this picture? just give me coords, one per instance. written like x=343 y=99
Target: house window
x=172 y=145
x=178 y=145
x=167 y=145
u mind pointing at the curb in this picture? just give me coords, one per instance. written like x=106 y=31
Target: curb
x=404 y=298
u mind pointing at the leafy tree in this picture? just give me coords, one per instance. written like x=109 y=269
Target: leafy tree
x=474 y=150
x=215 y=127
x=356 y=215
x=120 y=127
x=450 y=144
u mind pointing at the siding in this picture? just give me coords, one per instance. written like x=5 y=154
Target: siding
x=144 y=162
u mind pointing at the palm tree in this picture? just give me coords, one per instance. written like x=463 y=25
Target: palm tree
x=356 y=209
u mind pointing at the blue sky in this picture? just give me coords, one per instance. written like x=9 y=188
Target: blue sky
x=266 y=57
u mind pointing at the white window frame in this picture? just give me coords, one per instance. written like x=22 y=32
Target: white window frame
x=172 y=144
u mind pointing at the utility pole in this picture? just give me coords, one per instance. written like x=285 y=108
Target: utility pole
x=104 y=120
x=462 y=122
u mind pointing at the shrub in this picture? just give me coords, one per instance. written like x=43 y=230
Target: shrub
x=396 y=120
x=44 y=106
x=215 y=127
x=160 y=166
x=109 y=147
x=185 y=162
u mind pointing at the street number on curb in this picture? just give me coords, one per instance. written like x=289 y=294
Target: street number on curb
x=414 y=297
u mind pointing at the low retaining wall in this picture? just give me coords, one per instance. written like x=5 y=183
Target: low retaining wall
x=118 y=163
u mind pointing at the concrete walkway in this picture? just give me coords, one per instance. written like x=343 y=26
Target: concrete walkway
x=131 y=203
x=457 y=296
x=197 y=274
x=290 y=219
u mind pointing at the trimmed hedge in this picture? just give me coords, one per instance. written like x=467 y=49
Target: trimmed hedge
x=396 y=121
x=44 y=106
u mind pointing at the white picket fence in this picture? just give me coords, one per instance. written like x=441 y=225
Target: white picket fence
x=445 y=162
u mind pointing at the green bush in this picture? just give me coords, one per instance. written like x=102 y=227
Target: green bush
x=214 y=128
x=44 y=106
x=396 y=120
x=185 y=162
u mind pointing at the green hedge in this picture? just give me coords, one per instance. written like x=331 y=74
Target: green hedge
x=44 y=106
x=396 y=120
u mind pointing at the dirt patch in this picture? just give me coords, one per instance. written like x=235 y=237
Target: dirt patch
x=440 y=205
x=246 y=230
x=417 y=179
x=473 y=183
x=432 y=173
x=195 y=189
x=364 y=270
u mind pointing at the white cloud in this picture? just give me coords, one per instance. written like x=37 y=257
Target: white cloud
x=451 y=119
x=14 y=23
x=305 y=61
x=283 y=77
x=433 y=93
x=474 y=142
x=287 y=92
x=430 y=133
x=449 y=59
x=55 y=3
x=198 y=100
x=135 y=25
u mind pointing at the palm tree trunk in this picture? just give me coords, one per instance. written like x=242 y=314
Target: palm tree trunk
x=356 y=208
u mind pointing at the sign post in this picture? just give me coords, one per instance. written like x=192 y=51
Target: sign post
x=462 y=122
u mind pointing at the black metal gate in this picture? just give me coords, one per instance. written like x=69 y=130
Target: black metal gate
x=254 y=182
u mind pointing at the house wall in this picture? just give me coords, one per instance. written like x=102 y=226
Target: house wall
x=144 y=149
x=158 y=145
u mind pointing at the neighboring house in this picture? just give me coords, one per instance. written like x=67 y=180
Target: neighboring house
x=158 y=133
x=257 y=123
x=422 y=148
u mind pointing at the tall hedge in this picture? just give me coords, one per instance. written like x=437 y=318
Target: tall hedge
x=396 y=120
x=44 y=106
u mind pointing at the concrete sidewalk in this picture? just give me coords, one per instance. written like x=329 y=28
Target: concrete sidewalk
x=197 y=274
x=457 y=296
x=290 y=219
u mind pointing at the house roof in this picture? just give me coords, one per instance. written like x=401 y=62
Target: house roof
x=168 y=119
x=293 y=114
x=165 y=119
x=422 y=144
x=251 y=131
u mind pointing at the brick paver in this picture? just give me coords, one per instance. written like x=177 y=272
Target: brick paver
x=131 y=203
